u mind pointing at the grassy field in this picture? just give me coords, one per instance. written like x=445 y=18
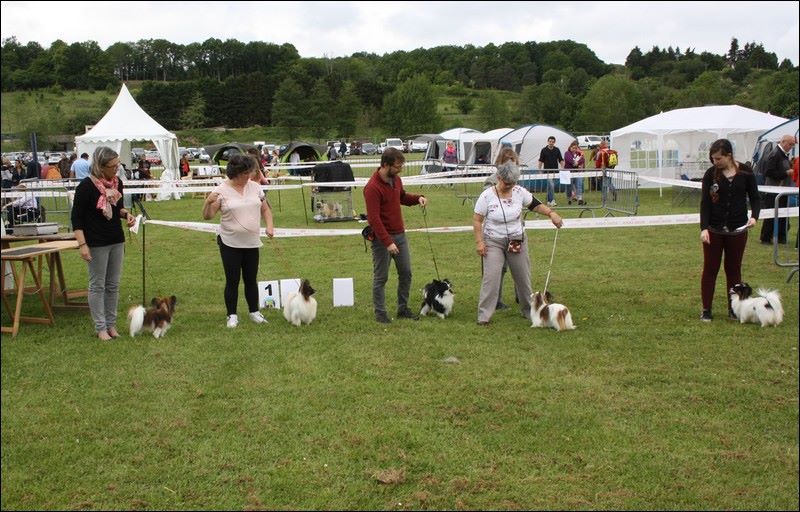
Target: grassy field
x=642 y=407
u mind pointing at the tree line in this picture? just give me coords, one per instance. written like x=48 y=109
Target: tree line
x=563 y=83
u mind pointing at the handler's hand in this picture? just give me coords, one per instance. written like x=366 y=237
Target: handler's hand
x=556 y=220
x=480 y=247
x=704 y=236
x=393 y=249
x=85 y=253
x=423 y=201
x=130 y=219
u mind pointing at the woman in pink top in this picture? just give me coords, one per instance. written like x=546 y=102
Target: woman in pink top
x=242 y=205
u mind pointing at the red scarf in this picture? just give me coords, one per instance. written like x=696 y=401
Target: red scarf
x=109 y=195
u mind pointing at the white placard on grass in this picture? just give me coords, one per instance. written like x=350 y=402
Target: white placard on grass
x=269 y=295
x=343 y=291
x=288 y=286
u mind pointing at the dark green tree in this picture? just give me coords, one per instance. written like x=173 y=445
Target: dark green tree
x=411 y=108
x=289 y=108
x=348 y=110
x=493 y=111
x=612 y=102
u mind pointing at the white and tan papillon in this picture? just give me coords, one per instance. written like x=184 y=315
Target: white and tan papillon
x=764 y=309
x=545 y=313
x=157 y=318
x=301 y=307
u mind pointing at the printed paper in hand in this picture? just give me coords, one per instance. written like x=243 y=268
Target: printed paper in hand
x=564 y=177
x=135 y=227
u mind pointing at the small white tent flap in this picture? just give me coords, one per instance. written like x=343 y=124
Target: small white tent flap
x=790 y=127
x=124 y=122
x=486 y=145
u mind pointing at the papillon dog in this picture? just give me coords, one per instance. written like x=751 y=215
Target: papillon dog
x=765 y=309
x=157 y=318
x=301 y=307
x=437 y=297
x=545 y=313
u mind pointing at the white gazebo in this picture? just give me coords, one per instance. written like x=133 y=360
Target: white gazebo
x=673 y=140
x=124 y=122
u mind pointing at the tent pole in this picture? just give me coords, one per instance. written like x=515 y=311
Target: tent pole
x=660 y=155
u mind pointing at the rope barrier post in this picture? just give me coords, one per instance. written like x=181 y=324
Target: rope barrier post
x=303 y=194
x=144 y=245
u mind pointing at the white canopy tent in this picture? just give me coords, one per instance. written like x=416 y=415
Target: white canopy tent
x=124 y=122
x=529 y=140
x=462 y=137
x=682 y=136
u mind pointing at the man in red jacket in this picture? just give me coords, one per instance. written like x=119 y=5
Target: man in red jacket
x=383 y=195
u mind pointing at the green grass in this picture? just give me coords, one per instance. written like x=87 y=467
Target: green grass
x=642 y=407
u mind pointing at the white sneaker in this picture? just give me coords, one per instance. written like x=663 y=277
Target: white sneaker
x=233 y=321
x=552 y=203
x=257 y=317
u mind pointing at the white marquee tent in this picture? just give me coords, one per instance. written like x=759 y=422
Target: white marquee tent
x=684 y=135
x=529 y=140
x=124 y=122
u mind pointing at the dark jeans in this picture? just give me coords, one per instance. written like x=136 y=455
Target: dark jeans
x=380 y=269
x=733 y=247
x=239 y=262
x=768 y=225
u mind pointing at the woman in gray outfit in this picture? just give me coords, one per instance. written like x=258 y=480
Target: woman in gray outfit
x=500 y=238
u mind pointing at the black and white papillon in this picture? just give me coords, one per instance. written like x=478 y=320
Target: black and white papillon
x=545 y=313
x=157 y=318
x=437 y=298
x=301 y=307
x=765 y=308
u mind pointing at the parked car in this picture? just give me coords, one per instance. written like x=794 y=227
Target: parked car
x=395 y=143
x=418 y=146
x=368 y=148
x=203 y=156
x=381 y=147
x=153 y=157
x=589 y=141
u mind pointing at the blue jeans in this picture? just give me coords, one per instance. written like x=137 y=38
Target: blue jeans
x=576 y=184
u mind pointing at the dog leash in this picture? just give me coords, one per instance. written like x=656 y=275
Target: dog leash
x=547 y=281
x=433 y=255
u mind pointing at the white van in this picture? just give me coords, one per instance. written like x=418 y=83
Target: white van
x=589 y=141
x=394 y=143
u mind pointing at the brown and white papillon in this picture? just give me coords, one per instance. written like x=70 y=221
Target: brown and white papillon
x=157 y=318
x=301 y=307
x=545 y=313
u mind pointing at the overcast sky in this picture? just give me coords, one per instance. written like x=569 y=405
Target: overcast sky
x=336 y=29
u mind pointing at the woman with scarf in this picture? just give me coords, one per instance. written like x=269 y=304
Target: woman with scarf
x=96 y=214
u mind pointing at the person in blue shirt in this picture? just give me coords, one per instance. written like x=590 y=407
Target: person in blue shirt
x=80 y=168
